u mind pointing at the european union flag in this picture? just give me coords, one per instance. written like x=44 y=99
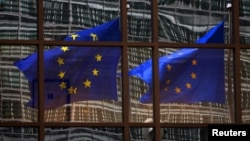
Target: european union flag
x=189 y=75
x=77 y=73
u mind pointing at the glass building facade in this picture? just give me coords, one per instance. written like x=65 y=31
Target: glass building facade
x=150 y=29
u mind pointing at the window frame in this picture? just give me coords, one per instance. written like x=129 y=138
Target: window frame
x=235 y=46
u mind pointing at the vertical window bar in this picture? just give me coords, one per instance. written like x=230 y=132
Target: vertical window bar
x=156 y=91
x=40 y=69
x=125 y=84
x=236 y=41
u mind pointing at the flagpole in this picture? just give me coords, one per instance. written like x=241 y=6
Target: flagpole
x=229 y=54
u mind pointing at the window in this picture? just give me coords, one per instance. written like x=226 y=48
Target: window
x=149 y=30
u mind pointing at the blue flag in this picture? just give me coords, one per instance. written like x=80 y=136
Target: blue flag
x=188 y=75
x=77 y=73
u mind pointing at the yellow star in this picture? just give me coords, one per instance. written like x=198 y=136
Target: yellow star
x=177 y=90
x=94 y=36
x=62 y=85
x=188 y=85
x=72 y=90
x=61 y=74
x=193 y=75
x=95 y=72
x=74 y=36
x=60 y=61
x=169 y=67
x=98 y=57
x=64 y=48
x=87 y=83
x=194 y=62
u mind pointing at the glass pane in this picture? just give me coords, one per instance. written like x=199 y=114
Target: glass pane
x=182 y=21
x=244 y=21
x=14 y=86
x=245 y=89
x=65 y=17
x=139 y=21
x=169 y=134
x=194 y=86
x=138 y=88
x=81 y=84
x=18 y=20
x=186 y=134
x=84 y=134
x=19 y=133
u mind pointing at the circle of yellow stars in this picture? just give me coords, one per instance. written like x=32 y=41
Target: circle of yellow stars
x=188 y=85
x=61 y=74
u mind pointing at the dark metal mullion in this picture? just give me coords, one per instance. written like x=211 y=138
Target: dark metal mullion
x=40 y=68
x=237 y=66
x=115 y=44
x=124 y=61
x=156 y=94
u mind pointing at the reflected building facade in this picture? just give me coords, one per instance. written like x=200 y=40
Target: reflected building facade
x=180 y=21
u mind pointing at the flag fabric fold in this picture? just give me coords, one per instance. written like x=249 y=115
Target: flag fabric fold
x=189 y=75
x=73 y=73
